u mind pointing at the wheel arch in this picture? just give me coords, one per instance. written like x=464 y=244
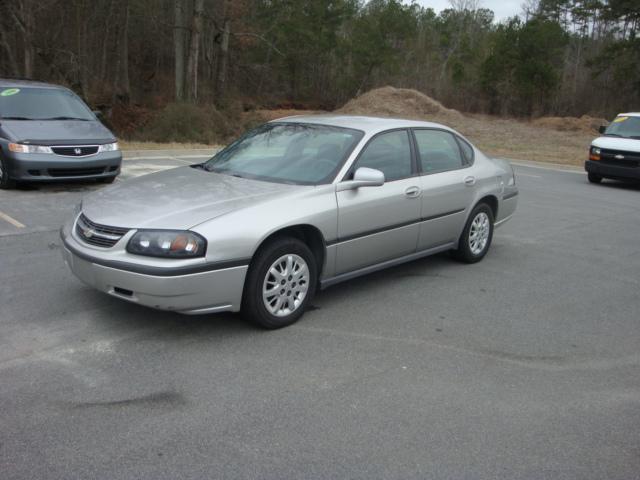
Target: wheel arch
x=307 y=233
x=490 y=200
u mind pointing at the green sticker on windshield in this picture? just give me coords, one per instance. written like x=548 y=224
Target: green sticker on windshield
x=9 y=91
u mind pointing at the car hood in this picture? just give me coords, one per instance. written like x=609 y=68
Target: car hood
x=617 y=143
x=57 y=132
x=178 y=198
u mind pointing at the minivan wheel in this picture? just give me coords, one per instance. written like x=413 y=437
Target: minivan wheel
x=594 y=177
x=280 y=284
x=477 y=235
x=5 y=182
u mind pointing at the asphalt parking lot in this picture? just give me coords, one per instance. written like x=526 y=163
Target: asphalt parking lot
x=524 y=366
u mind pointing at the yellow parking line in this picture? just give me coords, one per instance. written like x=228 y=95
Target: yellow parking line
x=11 y=220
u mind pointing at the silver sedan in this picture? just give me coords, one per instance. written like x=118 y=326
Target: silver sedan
x=295 y=205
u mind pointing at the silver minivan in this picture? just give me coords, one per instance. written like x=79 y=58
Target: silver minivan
x=48 y=133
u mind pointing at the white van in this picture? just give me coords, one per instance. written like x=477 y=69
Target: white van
x=616 y=154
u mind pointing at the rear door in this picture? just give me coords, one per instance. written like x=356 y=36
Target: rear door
x=448 y=185
x=380 y=223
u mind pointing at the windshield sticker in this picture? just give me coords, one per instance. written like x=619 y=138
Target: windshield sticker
x=9 y=91
x=620 y=119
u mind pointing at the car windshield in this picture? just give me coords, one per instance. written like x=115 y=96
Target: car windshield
x=42 y=104
x=296 y=153
x=622 y=126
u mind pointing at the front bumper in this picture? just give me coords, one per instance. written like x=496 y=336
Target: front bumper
x=612 y=171
x=209 y=291
x=50 y=167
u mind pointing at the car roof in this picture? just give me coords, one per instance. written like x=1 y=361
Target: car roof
x=369 y=125
x=24 y=83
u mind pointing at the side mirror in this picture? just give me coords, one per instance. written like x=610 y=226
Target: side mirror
x=602 y=128
x=364 y=177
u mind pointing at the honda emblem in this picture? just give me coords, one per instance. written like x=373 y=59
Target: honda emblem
x=77 y=151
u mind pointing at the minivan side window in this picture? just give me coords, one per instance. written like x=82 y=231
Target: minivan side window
x=438 y=151
x=390 y=153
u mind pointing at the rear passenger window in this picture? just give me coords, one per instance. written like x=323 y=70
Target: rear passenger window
x=390 y=153
x=467 y=151
x=438 y=151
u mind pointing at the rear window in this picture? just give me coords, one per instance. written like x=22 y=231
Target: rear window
x=42 y=104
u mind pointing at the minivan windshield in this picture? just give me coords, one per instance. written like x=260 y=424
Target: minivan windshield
x=296 y=153
x=42 y=104
x=622 y=126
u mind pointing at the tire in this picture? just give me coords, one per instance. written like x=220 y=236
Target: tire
x=106 y=180
x=480 y=222
x=6 y=183
x=288 y=301
x=594 y=177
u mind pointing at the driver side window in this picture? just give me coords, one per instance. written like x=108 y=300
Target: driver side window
x=390 y=153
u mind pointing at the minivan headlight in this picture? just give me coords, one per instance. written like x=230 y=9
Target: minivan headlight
x=167 y=243
x=22 y=148
x=109 y=147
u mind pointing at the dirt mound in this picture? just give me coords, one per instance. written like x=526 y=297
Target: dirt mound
x=397 y=102
x=268 y=115
x=571 y=124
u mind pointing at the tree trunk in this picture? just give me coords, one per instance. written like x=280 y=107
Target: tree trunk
x=179 y=42
x=194 y=51
x=224 y=58
x=125 y=84
x=13 y=64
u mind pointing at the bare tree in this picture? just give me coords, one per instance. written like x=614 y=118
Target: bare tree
x=179 y=43
x=191 y=90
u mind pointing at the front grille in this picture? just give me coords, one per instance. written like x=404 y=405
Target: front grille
x=75 y=172
x=76 y=151
x=98 y=235
x=631 y=159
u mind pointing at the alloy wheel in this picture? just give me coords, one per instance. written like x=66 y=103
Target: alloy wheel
x=479 y=233
x=285 y=285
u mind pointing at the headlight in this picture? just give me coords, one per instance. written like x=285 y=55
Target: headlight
x=594 y=154
x=595 y=150
x=109 y=147
x=21 y=148
x=167 y=243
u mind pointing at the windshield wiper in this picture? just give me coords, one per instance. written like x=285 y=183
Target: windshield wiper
x=612 y=135
x=65 y=118
x=16 y=118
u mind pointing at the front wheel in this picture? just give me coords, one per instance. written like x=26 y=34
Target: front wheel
x=280 y=283
x=594 y=178
x=107 y=180
x=476 y=237
x=6 y=183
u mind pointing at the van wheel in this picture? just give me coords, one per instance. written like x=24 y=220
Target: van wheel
x=594 y=178
x=280 y=283
x=6 y=183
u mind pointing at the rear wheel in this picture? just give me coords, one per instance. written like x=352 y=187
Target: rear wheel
x=476 y=237
x=6 y=183
x=280 y=283
x=594 y=177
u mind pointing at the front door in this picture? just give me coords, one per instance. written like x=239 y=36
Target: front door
x=380 y=223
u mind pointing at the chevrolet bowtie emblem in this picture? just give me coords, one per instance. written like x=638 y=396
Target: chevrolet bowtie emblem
x=619 y=157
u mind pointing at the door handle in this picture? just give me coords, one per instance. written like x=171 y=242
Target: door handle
x=470 y=180
x=412 y=192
